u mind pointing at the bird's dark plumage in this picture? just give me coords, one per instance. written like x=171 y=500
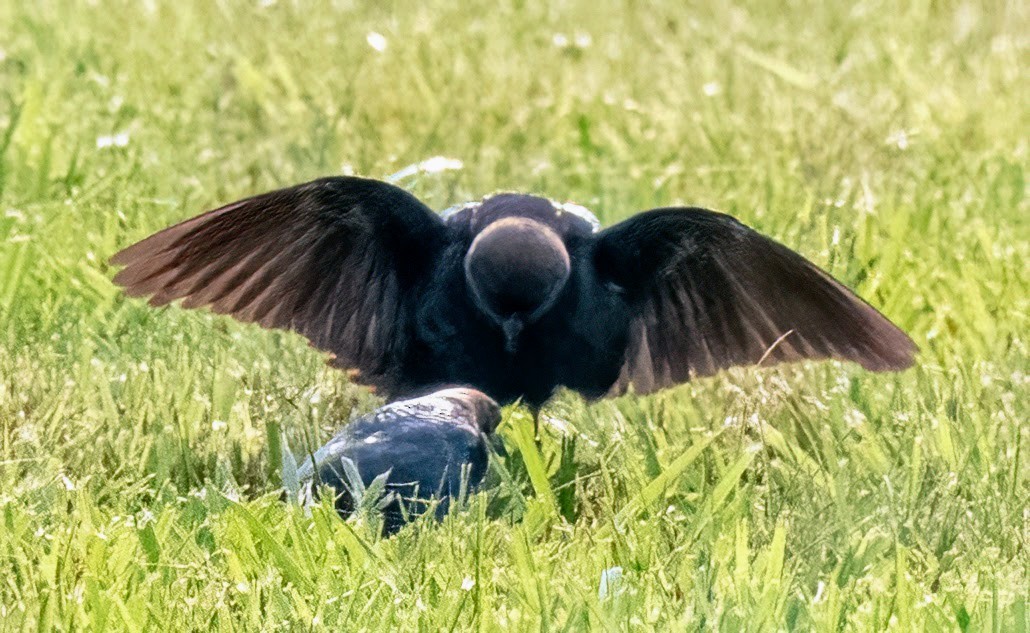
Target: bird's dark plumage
x=334 y=259
x=514 y=295
x=426 y=445
x=718 y=294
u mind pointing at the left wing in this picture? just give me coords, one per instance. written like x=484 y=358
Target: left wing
x=710 y=293
x=333 y=259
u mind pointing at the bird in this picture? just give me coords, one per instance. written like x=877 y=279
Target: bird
x=426 y=447
x=515 y=295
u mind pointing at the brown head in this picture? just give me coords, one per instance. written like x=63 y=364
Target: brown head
x=516 y=268
x=475 y=407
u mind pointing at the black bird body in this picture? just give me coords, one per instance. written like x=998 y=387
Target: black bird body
x=577 y=343
x=425 y=446
x=514 y=295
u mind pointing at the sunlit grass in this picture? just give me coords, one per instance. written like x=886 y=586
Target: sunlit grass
x=139 y=448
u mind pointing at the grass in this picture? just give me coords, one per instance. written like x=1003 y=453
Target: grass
x=139 y=459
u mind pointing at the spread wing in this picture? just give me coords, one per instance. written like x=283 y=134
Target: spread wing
x=332 y=259
x=710 y=293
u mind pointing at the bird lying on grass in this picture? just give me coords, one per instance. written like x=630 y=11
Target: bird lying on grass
x=426 y=448
x=514 y=295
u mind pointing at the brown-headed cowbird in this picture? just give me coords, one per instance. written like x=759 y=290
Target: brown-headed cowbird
x=515 y=295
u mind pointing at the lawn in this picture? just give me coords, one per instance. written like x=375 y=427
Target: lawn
x=142 y=450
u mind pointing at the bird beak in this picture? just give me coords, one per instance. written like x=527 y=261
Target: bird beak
x=512 y=327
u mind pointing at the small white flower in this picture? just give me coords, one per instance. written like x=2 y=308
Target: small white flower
x=560 y=40
x=218 y=425
x=899 y=139
x=376 y=40
x=467 y=584
x=711 y=88
x=583 y=39
x=121 y=139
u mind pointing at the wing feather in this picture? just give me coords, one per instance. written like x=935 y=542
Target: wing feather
x=333 y=259
x=710 y=293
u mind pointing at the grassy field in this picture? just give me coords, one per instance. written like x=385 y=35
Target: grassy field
x=140 y=449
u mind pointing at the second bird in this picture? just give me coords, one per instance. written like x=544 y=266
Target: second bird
x=515 y=295
x=426 y=448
